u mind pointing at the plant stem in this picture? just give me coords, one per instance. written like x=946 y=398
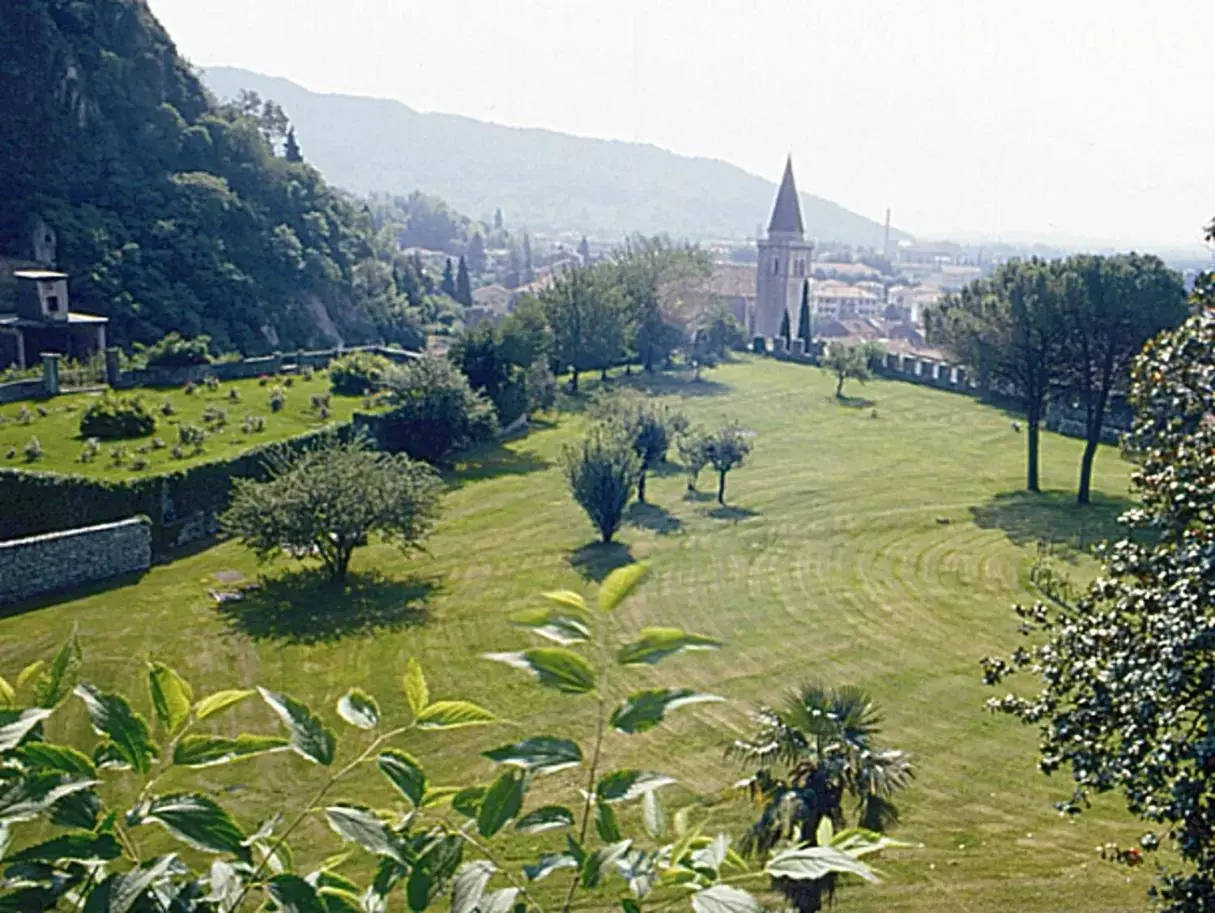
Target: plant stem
x=488 y=854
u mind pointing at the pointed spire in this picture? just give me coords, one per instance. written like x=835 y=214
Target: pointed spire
x=787 y=213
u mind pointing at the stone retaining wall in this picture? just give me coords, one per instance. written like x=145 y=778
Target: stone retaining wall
x=22 y=389
x=62 y=561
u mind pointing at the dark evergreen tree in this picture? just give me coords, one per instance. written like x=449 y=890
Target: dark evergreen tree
x=804 y=329
x=498 y=219
x=584 y=251
x=291 y=148
x=463 y=285
x=448 y=286
x=475 y=255
x=784 y=328
x=513 y=277
x=529 y=274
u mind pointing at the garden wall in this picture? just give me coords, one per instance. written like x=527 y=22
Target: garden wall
x=22 y=389
x=268 y=366
x=182 y=506
x=60 y=561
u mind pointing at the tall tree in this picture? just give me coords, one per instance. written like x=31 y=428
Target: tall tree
x=463 y=284
x=529 y=272
x=665 y=288
x=475 y=254
x=448 y=285
x=785 y=331
x=584 y=251
x=587 y=317
x=1112 y=306
x=514 y=276
x=1010 y=329
x=805 y=331
x=498 y=219
x=291 y=148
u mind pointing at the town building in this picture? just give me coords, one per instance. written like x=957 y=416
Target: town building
x=38 y=319
x=784 y=262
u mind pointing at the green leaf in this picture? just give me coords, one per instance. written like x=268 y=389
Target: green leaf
x=171 y=696
x=30 y=796
x=310 y=738
x=419 y=889
x=554 y=667
x=623 y=785
x=469 y=885
x=58 y=757
x=361 y=826
x=16 y=725
x=219 y=701
x=813 y=862
x=29 y=672
x=125 y=890
x=55 y=683
x=7 y=694
x=656 y=644
x=711 y=856
x=199 y=821
x=294 y=895
x=598 y=862
x=607 y=825
x=628 y=905
x=453 y=715
x=208 y=750
x=437 y=795
x=643 y=710
x=617 y=586
x=825 y=832
x=81 y=847
x=417 y=694
x=722 y=898
x=561 y=626
x=567 y=599
x=340 y=900
x=499 y=901
x=502 y=802
x=467 y=801
x=405 y=774
x=652 y=816
x=539 y=755
x=545 y=818
x=358 y=708
x=127 y=731
x=549 y=863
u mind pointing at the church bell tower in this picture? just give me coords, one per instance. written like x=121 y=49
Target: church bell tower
x=784 y=262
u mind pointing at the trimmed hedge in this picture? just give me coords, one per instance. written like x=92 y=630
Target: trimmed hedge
x=182 y=505
x=114 y=418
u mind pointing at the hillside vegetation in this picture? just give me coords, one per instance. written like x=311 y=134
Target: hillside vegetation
x=541 y=179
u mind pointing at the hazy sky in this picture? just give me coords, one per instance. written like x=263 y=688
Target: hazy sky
x=1072 y=117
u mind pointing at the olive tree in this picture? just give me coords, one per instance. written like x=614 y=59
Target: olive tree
x=602 y=470
x=648 y=424
x=693 y=448
x=727 y=448
x=330 y=500
x=847 y=363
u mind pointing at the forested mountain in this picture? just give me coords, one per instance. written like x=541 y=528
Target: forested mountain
x=540 y=179
x=173 y=212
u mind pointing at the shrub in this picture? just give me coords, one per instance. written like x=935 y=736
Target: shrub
x=253 y=424
x=24 y=415
x=435 y=412
x=190 y=388
x=174 y=351
x=112 y=418
x=191 y=436
x=278 y=399
x=541 y=387
x=118 y=455
x=158 y=443
x=167 y=408
x=602 y=471
x=319 y=401
x=43 y=411
x=32 y=450
x=10 y=453
x=693 y=447
x=727 y=448
x=139 y=463
x=212 y=383
x=89 y=451
x=213 y=415
x=178 y=452
x=357 y=372
x=233 y=395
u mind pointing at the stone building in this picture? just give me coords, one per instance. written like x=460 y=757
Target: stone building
x=39 y=319
x=784 y=262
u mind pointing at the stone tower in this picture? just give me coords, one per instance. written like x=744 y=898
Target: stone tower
x=784 y=262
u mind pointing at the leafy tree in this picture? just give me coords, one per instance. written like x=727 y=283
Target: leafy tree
x=526 y=335
x=809 y=754
x=648 y=424
x=291 y=148
x=358 y=372
x=529 y=272
x=720 y=331
x=172 y=351
x=498 y=219
x=846 y=363
x=1126 y=668
x=480 y=353
x=448 y=285
x=784 y=331
x=805 y=329
x=693 y=448
x=463 y=285
x=602 y=470
x=474 y=255
x=1111 y=307
x=541 y=387
x=513 y=278
x=728 y=448
x=434 y=412
x=1010 y=328
x=584 y=251
x=587 y=316
x=328 y=501
x=665 y=292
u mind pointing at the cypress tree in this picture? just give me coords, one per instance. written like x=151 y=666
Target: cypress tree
x=448 y=286
x=804 y=331
x=784 y=327
x=291 y=148
x=463 y=285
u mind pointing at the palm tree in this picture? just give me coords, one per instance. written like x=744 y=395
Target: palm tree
x=811 y=754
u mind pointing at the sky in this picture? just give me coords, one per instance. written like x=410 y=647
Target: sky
x=978 y=118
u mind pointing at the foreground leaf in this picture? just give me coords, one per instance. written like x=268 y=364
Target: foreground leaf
x=501 y=804
x=643 y=710
x=55 y=682
x=7 y=694
x=112 y=717
x=125 y=890
x=623 y=785
x=652 y=816
x=469 y=885
x=554 y=667
x=546 y=818
x=499 y=901
x=607 y=825
x=539 y=755
x=722 y=898
x=31 y=796
x=198 y=820
x=80 y=847
x=361 y=826
x=310 y=737
x=598 y=862
x=417 y=694
x=218 y=702
x=813 y=862
x=617 y=586
x=209 y=750
x=561 y=626
x=453 y=715
x=568 y=599
x=58 y=757
x=16 y=725
x=405 y=774
x=656 y=644
x=294 y=895
x=171 y=696
x=358 y=708
x=549 y=863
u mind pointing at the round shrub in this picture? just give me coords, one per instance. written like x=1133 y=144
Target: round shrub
x=352 y=374
x=175 y=352
x=112 y=418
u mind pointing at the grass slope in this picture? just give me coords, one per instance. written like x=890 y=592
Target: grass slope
x=833 y=560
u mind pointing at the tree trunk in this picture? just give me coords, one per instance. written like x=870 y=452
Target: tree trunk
x=341 y=564
x=603 y=375
x=574 y=381
x=721 y=488
x=641 y=487
x=1092 y=428
x=1031 y=469
x=839 y=386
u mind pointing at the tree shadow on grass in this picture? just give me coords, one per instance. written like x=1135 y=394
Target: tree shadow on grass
x=598 y=559
x=674 y=383
x=305 y=607
x=692 y=494
x=730 y=512
x=55 y=597
x=1053 y=517
x=493 y=461
x=855 y=402
x=655 y=518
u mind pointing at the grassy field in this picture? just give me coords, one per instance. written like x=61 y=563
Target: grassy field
x=58 y=430
x=879 y=543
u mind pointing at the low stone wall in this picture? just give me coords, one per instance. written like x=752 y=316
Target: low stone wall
x=61 y=561
x=268 y=366
x=22 y=389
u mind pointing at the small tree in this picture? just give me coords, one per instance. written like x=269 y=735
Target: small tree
x=727 y=448
x=463 y=284
x=541 y=387
x=648 y=425
x=785 y=332
x=435 y=411
x=602 y=471
x=805 y=331
x=693 y=447
x=358 y=372
x=291 y=148
x=327 y=502
x=448 y=284
x=846 y=363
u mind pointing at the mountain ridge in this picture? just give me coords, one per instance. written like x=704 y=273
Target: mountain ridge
x=541 y=178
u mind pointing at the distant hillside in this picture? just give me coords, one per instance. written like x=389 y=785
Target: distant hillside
x=541 y=179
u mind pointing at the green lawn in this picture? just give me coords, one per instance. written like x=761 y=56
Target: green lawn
x=879 y=544
x=59 y=429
